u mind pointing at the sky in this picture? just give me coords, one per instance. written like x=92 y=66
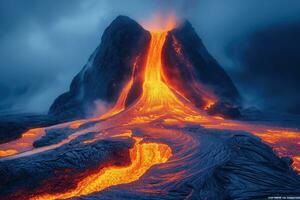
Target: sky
x=43 y=44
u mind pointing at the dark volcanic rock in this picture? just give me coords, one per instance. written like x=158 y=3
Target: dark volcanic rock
x=189 y=62
x=12 y=126
x=53 y=136
x=225 y=109
x=255 y=172
x=58 y=169
x=107 y=70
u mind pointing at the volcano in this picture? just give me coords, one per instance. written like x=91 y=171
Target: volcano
x=173 y=130
x=189 y=71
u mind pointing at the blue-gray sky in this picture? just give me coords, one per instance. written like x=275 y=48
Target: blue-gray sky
x=43 y=44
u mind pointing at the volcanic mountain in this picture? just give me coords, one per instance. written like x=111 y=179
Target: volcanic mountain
x=188 y=69
x=166 y=134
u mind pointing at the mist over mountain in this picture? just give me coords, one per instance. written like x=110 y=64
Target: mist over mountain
x=268 y=67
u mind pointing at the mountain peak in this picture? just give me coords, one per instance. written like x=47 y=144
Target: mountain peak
x=121 y=59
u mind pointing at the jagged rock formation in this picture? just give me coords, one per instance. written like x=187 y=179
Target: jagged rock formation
x=124 y=44
x=184 y=50
x=107 y=70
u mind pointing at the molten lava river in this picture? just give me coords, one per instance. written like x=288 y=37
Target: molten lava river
x=166 y=150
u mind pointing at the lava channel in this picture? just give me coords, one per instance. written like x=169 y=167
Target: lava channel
x=143 y=156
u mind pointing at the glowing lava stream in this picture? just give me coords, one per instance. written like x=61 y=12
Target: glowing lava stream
x=22 y=144
x=143 y=156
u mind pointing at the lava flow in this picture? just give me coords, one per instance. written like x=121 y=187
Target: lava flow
x=156 y=97
x=158 y=102
x=143 y=156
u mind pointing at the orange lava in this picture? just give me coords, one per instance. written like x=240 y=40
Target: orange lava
x=158 y=101
x=155 y=91
x=201 y=90
x=143 y=156
x=120 y=104
x=296 y=164
x=76 y=124
x=22 y=144
x=8 y=152
x=284 y=141
x=156 y=95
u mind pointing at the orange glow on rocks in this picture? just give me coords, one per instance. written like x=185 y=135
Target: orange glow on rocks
x=207 y=95
x=76 y=124
x=296 y=163
x=8 y=152
x=22 y=144
x=120 y=104
x=142 y=155
x=285 y=142
x=161 y=22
